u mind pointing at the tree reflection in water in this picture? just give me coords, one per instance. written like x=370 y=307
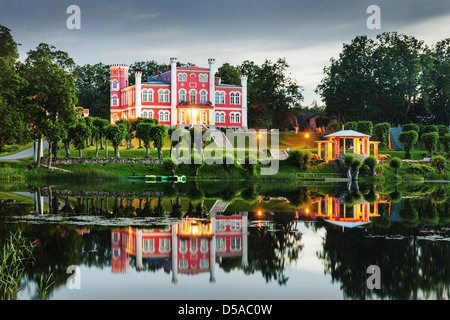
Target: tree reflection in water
x=401 y=235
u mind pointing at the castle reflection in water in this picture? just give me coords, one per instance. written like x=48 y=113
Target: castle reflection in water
x=188 y=247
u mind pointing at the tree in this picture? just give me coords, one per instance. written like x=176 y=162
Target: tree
x=79 y=134
x=299 y=159
x=445 y=141
x=98 y=127
x=158 y=134
x=13 y=128
x=395 y=163
x=322 y=121
x=430 y=140
x=271 y=93
x=411 y=126
x=229 y=74
x=381 y=131
x=355 y=167
x=364 y=127
x=439 y=163
x=349 y=159
x=408 y=139
x=334 y=127
x=128 y=131
x=8 y=47
x=143 y=132
x=371 y=162
x=93 y=88
x=51 y=88
x=116 y=133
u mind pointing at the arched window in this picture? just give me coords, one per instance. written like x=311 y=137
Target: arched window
x=220 y=97
x=163 y=95
x=237 y=117
x=235 y=98
x=203 y=78
x=115 y=85
x=183 y=117
x=182 y=94
x=144 y=114
x=203 y=95
x=164 y=116
x=150 y=114
x=114 y=100
x=193 y=96
x=222 y=117
x=232 y=117
x=144 y=96
x=182 y=77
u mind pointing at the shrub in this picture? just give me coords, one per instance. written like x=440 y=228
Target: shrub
x=408 y=139
x=334 y=127
x=438 y=162
x=364 y=127
x=395 y=163
x=430 y=140
x=299 y=159
x=410 y=126
x=381 y=130
x=417 y=168
x=371 y=162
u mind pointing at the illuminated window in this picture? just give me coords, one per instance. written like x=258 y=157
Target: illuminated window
x=193 y=96
x=204 y=117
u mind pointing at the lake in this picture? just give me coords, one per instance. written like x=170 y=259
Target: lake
x=233 y=240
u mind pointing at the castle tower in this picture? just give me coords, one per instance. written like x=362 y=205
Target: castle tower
x=119 y=80
x=212 y=90
x=138 y=86
x=244 y=101
x=173 y=89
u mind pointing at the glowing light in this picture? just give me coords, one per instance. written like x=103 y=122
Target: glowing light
x=259 y=135
x=307 y=211
x=307 y=135
x=259 y=213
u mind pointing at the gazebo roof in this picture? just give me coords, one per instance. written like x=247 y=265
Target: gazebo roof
x=347 y=133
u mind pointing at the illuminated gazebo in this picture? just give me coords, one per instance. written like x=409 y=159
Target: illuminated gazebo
x=332 y=146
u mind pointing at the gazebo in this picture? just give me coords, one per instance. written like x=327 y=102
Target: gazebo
x=332 y=146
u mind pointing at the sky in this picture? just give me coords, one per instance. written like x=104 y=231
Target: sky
x=305 y=32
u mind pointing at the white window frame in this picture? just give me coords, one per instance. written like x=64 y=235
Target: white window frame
x=203 y=77
x=235 y=244
x=190 y=95
x=148 y=245
x=115 y=100
x=163 y=95
x=235 y=97
x=182 y=77
x=115 y=84
x=164 y=245
x=203 y=96
x=182 y=94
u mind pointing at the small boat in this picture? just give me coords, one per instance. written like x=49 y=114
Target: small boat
x=157 y=179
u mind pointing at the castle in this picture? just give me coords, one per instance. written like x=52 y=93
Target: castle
x=179 y=96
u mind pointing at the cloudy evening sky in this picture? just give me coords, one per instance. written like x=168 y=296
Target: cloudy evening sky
x=306 y=32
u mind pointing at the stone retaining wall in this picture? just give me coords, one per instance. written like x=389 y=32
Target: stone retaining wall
x=55 y=161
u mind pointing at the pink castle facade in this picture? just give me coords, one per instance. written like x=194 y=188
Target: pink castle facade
x=179 y=96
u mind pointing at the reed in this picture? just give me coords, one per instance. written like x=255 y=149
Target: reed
x=16 y=254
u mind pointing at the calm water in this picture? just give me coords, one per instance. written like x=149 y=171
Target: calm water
x=234 y=241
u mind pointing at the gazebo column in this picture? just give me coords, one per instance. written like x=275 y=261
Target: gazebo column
x=326 y=151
